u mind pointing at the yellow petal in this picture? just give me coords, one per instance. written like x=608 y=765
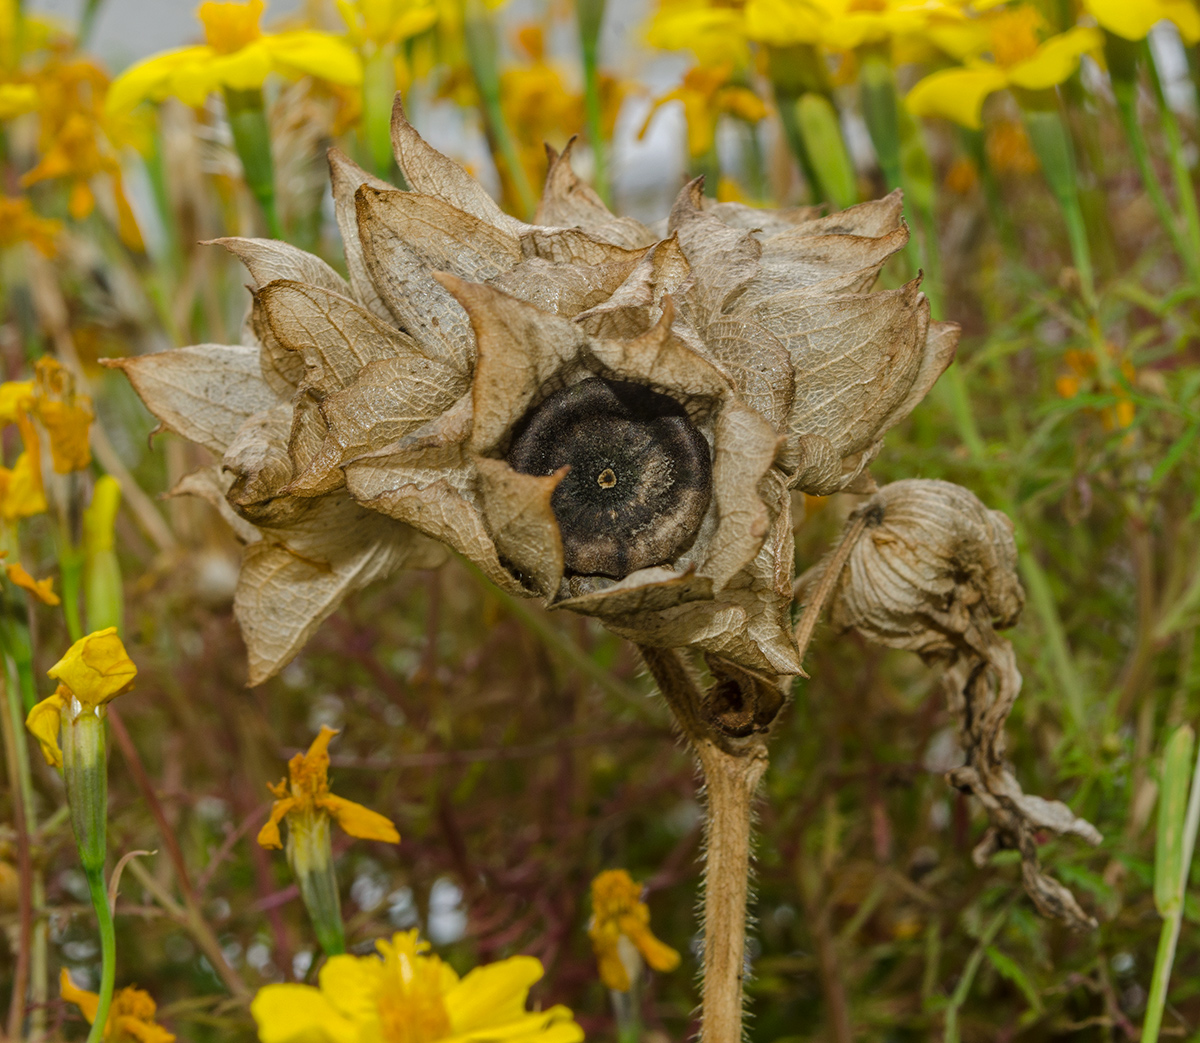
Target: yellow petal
x=783 y=22
x=268 y=836
x=149 y=80
x=351 y=984
x=16 y=99
x=493 y=994
x=1133 y=19
x=96 y=668
x=315 y=54
x=1056 y=59
x=299 y=1014
x=606 y=946
x=657 y=954
x=245 y=69
x=67 y=425
x=16 y=397
x=956 y=94
x=43 y=722
x=23 y=494
x=139 y=1030
x=87 y=1002
x=43 y=590
x=359 y=821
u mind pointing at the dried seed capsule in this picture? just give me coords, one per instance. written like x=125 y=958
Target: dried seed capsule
x=640 y=478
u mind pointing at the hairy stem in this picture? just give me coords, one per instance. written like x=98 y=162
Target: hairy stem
x=732 y=771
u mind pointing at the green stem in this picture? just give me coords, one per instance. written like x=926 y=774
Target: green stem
x=108 y=950
x=626 y=1014
x=591 y=19
x=971 y=968
x=877 y=86
x=1165 y=957
x=378 y=90
x=480 y=36
x=1184 y=187
x=821 y=131
x=1122 y=56
x=1052 y=143
x=70 y=566
x=252 y=140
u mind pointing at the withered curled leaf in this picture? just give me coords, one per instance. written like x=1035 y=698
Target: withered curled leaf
x=934 y=571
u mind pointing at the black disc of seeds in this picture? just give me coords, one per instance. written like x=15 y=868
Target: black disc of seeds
x=640 y=479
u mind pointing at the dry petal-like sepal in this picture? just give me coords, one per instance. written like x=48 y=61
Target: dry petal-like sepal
x=470 y=357
x=934 y=571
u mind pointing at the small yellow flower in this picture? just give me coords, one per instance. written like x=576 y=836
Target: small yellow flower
x=236 y=54
x=1133 y=19
x=130 y=1018
x=304 y=796
x=714 y=33
x=618 y=913
x=16 y=398
x=42 y=589
x=21 y=492
x=19 y=224
x=706 y=95
x=95 y=670
x=406 y=995
x=66 y=416
x=844 y=24
x=381 y=22
x=1020 y=58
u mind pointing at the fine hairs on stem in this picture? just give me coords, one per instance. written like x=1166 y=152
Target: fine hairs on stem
x=732 y=771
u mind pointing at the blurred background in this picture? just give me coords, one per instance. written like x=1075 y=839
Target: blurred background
x=1048 y=152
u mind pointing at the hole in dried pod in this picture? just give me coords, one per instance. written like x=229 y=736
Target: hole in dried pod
x=640 y=478
x=741 y=702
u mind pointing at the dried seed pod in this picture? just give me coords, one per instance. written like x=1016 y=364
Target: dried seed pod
x=934 y=571
x=590 y=414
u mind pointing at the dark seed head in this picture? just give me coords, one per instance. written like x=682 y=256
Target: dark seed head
x=640 y=478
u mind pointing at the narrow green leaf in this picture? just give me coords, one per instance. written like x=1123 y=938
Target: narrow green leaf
x=1008 y=968
x=1172 y=807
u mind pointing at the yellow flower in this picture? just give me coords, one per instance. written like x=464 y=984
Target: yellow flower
x=706 y=95
x=714 y=33
x=21 y=492
x=16 y=398
x=408 y=996
x=42 y=589
x=236 y=54
x=66 y=416
x=16 y=99
x=130 y=1018
x=95 y=670
x=380 y=22
x=1133 y=19
x=843 y=24
x=304 y=796
x=19 y=224
x=76 y=154
x=621 y=920
x=1019 y=59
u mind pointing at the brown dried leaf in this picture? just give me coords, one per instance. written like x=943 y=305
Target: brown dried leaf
x=204 y=393
x=563 y=289
x=636 y=304
x=269 y=259
x=757 y=363
x=573 y=246
x=346 y=177
x=211 y=484
x=568 y=202
x=428 y=171
x=335 y=336
x=518 y=515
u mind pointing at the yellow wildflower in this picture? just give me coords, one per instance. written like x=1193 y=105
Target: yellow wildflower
x=19 y=224
x=66 y=416
x=381 y=22
x=21 y=492
x=706 y=95
x=1020 y=58
x=714 y=33
x=16 y=398
x=621 y=920
x=406 y=995
x=42 y=589
x=16 y=99
x=95 y=670
x=236 y=54
x=844 y=24
x=1133 y=19
x=130 y=1018
x=304 y=797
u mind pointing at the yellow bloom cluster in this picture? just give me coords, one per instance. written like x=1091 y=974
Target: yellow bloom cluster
x=236 y=54
x=130 y=1018
x=95 y=670
x=406 y=995
x=620 y=930
x=49 y=399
